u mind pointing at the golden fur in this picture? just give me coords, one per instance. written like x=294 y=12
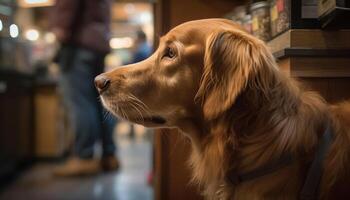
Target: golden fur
x=222 y=88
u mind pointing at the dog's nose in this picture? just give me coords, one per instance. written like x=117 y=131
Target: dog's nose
x=102 y=83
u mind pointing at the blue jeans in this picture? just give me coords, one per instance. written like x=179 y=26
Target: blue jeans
x=78 y=69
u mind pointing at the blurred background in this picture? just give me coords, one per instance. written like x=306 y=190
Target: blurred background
x=309 y=38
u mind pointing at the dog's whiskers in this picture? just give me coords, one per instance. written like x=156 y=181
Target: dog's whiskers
x=137 y=110
x=135 y=101
x=131 y=102
x=140 y=103
x=138 y=100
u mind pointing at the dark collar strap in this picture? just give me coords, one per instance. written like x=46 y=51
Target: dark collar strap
x=309 y=190
x=270 y=167
x=314 y=175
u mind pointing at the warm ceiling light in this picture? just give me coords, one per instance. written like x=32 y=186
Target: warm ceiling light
x=50 y=37
x=35 y=1
x=32 y=35
x=14 y=31
x=121 y=43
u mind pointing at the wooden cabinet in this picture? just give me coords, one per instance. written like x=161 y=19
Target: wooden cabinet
x=318 y=58
x=16 y=121
x=52 y=137
x=31 y=122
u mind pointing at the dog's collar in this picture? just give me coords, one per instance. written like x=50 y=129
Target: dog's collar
x=314 y=175
x=313 y=178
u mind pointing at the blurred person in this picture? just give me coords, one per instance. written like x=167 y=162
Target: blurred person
x=142 y=49
x=83 y=29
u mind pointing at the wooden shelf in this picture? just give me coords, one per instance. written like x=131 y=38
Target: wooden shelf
x=311 y=39
x=319 y=59
x=307 y=52
x=313 y=53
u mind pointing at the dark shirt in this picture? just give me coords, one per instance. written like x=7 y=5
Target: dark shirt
x=86 y=23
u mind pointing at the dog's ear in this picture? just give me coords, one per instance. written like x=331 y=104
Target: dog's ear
x=232 y=62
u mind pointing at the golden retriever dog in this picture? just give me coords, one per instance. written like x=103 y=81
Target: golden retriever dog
x=222 y=88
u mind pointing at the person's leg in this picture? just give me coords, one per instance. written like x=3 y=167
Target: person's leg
x=82 y=97
x=78 y=91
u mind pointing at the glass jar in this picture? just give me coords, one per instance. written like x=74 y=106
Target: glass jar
x=260 y=12
x=280 y=16
x=247 y=23
x=239 y=13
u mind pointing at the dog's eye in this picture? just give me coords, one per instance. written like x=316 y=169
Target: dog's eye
x=169 y=52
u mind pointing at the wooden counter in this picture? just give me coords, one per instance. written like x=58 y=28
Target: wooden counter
x=320 y=59
x=52 y=137
x=16 y=121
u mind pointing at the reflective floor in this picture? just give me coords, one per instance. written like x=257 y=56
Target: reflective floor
x=129 y=183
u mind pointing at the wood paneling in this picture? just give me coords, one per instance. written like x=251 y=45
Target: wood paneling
x=332 y=89
x=328 y=76
x=184 y=10
x=170 y=13
x=172 y=172
x=316 y=66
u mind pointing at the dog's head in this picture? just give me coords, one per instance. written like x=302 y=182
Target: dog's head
x=196 y=73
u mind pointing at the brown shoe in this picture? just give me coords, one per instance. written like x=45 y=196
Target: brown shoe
x=78 y=167
x=110 y=163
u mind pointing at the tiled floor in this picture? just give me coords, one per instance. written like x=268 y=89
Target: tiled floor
x=130 y=183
